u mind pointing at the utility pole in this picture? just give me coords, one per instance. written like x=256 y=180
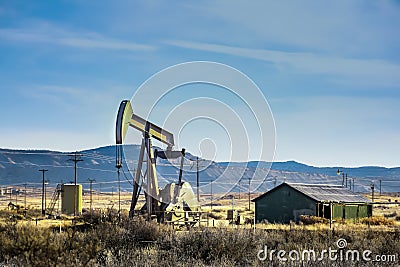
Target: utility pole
x=353 y=184
x=76 y=159
x=211 y=195
x=91 y=200
x=249 y=191
x=372 y=190
x=239 y=188
x=118 y=165
x=197 y=180
x=45 y=193
x=380 y=187
x=25 y=197
x=341 y=172
x=233 y=208
x=43 y=208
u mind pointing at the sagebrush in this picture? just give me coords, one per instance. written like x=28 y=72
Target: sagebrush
x=124 y=242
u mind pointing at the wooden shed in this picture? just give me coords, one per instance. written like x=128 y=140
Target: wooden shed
x=288 y=201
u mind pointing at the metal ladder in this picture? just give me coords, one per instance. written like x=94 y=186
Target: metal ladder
x=54 y=199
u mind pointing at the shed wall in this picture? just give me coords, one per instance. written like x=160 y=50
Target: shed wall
x=351 y=211
x=284 y=205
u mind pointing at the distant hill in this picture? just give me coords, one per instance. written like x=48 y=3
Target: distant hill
x=18 y=167
x=360 y=172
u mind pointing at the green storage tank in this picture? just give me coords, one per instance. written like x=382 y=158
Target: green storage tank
x=67 y=199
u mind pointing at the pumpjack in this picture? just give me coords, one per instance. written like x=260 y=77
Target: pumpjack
x=176 y=202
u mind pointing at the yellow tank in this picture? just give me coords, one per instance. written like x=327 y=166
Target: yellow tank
x=67 y=199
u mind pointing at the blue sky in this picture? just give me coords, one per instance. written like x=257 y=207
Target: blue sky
x=329 y=70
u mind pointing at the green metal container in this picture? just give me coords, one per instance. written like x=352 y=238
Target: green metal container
x=67 y=199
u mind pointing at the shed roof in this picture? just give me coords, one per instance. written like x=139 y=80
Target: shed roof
x=324 y=193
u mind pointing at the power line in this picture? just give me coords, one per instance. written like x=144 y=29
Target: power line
x=126 y=177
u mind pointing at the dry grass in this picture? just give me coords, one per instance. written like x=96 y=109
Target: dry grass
x=99 y=239
x=141 y=243
x=377 y=220
x=213 y=217
x=307 y=220
x=388 y=203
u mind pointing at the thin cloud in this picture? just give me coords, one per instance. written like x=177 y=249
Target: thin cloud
x=85 y=40
x=76 y=95
x=339 y=27
x=62 y=96
x=361 y=71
